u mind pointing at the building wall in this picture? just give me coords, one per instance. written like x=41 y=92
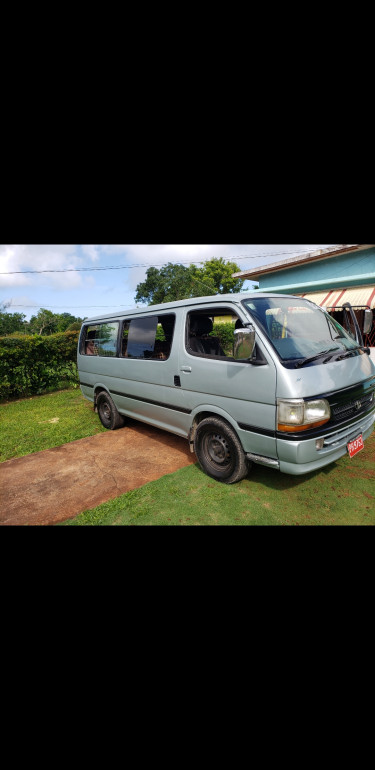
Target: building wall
x=344 y=270
x=338 y=272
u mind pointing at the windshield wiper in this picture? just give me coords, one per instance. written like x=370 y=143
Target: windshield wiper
x=352 y=352
x=314 y=358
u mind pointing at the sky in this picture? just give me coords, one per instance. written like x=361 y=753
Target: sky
x=84 y=290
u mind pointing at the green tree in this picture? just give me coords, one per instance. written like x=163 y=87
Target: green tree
x=173 y=282
x=66 y=320
x=45 y=322
x=11 y=322
x=170 y=283
x=219 y=273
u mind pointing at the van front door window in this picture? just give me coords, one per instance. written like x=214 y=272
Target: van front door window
x=210 y=332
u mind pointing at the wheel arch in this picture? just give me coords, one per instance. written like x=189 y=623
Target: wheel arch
x=203 y=411
x=99 y=388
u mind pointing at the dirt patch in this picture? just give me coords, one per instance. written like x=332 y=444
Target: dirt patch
x=54 y=485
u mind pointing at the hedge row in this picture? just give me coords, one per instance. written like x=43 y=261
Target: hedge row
x=31 y=364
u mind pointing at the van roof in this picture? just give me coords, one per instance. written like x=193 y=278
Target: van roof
x=192 y=301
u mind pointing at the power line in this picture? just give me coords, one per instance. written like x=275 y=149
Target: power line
x=76 y=307
x=161 y=264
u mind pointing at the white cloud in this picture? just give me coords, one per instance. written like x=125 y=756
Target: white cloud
x=161 y=254
x=15 y=258
x=92 y=252
x=10 y=260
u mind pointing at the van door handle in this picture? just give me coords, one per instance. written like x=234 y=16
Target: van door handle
x=185 y=368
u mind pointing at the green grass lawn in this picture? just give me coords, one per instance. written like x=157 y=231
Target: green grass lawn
x=341 y=494
x=42 y=422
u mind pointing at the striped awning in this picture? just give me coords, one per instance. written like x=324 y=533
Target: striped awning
x=363 y=295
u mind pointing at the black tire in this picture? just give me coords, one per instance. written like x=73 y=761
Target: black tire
x=219 y=451
x=108 y=414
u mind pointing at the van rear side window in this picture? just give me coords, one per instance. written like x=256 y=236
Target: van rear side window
x=100 y=339
x=148 y=337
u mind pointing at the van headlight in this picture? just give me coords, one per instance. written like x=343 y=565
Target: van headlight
x=295 y=414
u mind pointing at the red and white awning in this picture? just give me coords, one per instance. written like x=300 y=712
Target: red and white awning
x=363 y=295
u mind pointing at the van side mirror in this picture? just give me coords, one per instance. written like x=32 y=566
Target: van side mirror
x=367 y=321
x=244 y=343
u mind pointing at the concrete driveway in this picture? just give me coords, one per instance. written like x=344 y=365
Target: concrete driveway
x=56 y=484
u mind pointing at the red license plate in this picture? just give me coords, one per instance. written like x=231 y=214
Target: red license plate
x=355 y=446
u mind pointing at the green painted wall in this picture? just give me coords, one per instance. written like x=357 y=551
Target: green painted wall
x=353 y=269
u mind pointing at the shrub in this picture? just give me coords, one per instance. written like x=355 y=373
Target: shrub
x=225 y=333
x=31 y=364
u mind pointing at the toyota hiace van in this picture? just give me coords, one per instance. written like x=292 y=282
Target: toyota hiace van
x=270 y=379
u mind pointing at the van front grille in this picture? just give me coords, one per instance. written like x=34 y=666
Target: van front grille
x=352 y=408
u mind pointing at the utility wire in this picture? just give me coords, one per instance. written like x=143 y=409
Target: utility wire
x=161 y=264
x=78 y=307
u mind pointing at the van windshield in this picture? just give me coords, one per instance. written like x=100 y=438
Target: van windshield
x=298 y=329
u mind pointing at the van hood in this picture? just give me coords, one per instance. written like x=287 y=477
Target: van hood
x=310 y=381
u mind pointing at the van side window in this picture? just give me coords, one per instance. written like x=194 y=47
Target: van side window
x=100 y=339
x=210 y=333
x=148 y=337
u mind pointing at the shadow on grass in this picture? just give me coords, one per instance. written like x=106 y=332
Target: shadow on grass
x=274 y=479
x=277 y=480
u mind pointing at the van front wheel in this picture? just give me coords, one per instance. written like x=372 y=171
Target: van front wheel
x=219 y=451
x=108 y=414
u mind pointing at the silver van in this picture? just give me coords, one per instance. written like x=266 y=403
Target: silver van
x=247 y=378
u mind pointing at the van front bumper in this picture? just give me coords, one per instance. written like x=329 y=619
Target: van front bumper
x=301 y=456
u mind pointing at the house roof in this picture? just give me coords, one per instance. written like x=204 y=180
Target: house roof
x=312 y=256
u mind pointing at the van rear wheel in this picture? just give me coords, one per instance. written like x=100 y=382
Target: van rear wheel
x=219 y=451
x=108 y=414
